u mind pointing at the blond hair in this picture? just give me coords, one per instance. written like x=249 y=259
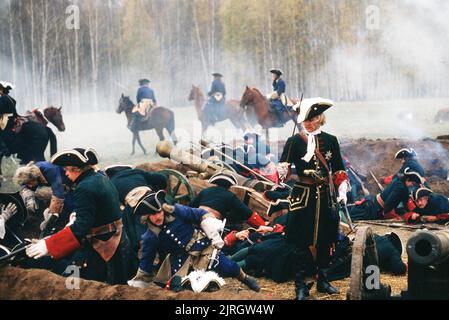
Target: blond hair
x=25 y=175
x=322 y=119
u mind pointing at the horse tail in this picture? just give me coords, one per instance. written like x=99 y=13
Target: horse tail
x=53 y=141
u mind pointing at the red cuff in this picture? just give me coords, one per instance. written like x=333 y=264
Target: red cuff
x=443 y=216
x=410 y=205
x=278 y=228
x=392 y=215
x=407 y=217
x=255 y=220
x=62 y=243
x=339 y=177
x=230 y=239
x=387 y=180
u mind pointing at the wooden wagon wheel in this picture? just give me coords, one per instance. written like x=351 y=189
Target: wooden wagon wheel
x=179 y=190
x=364 y=254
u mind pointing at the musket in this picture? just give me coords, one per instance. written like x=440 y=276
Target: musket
x=400 y=225
x=5 y=259
x=356 y=176
x=336 y=203
x=213 y=257
x=377 y=181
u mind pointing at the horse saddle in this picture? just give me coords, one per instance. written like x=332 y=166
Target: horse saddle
x=144 y=107
x=218 y=96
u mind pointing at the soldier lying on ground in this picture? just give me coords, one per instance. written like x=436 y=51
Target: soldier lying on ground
x=185 y=238
x=132 y=185
x=385 y=204
x=44 y=173
x=94 y=240
x=430 y=207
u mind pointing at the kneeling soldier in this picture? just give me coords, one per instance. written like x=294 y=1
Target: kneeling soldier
x=185 y=239
x=93 y=240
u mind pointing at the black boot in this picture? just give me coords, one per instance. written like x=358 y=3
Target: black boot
x=301 y=289
x=323 y=284
x=251 y=283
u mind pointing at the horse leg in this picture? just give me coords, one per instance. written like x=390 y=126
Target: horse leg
x=140 y=143
x=1 y=172
x=133 y=143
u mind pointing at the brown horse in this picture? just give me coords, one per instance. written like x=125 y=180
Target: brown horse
x=266 y=117
x=237 y=116
x=159 y=119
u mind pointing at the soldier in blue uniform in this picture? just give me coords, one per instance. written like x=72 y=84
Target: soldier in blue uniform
x=132 y=185
x=44 y=173
x=277 y=97
x=430 y=207
x=408 y=158
x=215 y=107
x=224 y=204
x=94 y=239
x=144 y=92
x=385 y=204
x=313 y=220
x=185 y=238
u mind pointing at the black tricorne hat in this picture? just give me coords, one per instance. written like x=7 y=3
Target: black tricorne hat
x=395 y=240
x=222 y=178
x=217 y=74
x=77 y=157
x=143 y=81
x=312 y=107
x=150 y=203
x=405 y=153
x=421 y=192
x=113 y=169
x=414 y=176
x=277 y=72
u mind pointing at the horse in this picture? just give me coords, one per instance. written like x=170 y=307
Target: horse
x=159 y=119
x=233 y=112
x=441 y=116
x=266 y=116
x=30 y=140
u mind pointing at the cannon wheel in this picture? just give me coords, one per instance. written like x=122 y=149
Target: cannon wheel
x=364 y=253
x=179 y=190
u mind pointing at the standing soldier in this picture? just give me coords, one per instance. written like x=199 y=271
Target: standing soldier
x=145 y=97
x=93 y=240
x=214 y=108
x=277 y=97
x=313 y=222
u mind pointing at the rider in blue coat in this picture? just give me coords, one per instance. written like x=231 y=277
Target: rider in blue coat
x=278 y=94
x=215 y=107
x=144 y=92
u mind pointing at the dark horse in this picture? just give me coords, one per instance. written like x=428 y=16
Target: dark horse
x=233 y=112
x=159 y=119
x=31 y=139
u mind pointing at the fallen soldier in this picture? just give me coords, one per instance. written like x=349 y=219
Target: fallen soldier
x=185 y=238
x=385 y=204
x=430 y=207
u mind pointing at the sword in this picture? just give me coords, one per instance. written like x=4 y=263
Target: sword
x=347 y=216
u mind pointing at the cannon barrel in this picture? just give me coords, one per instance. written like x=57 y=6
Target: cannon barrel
x=205 y=169
x=428 y=248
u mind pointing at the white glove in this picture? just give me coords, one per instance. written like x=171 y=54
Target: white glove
x=9 y=211
x=342 y=192
x=6 y=214
x=47 y=216
x=72 y=219
x=282 y=169
x=37 y=250
x=212 y=228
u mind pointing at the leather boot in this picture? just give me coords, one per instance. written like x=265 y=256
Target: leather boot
x=302 y=291
x=323 y=284
x=249 y=281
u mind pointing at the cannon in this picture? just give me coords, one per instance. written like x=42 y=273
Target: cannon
x=428 y=267
x=205 y=168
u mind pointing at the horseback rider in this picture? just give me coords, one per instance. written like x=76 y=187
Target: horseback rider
x=214 y=109
x=146 y=99
x=277 y=98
